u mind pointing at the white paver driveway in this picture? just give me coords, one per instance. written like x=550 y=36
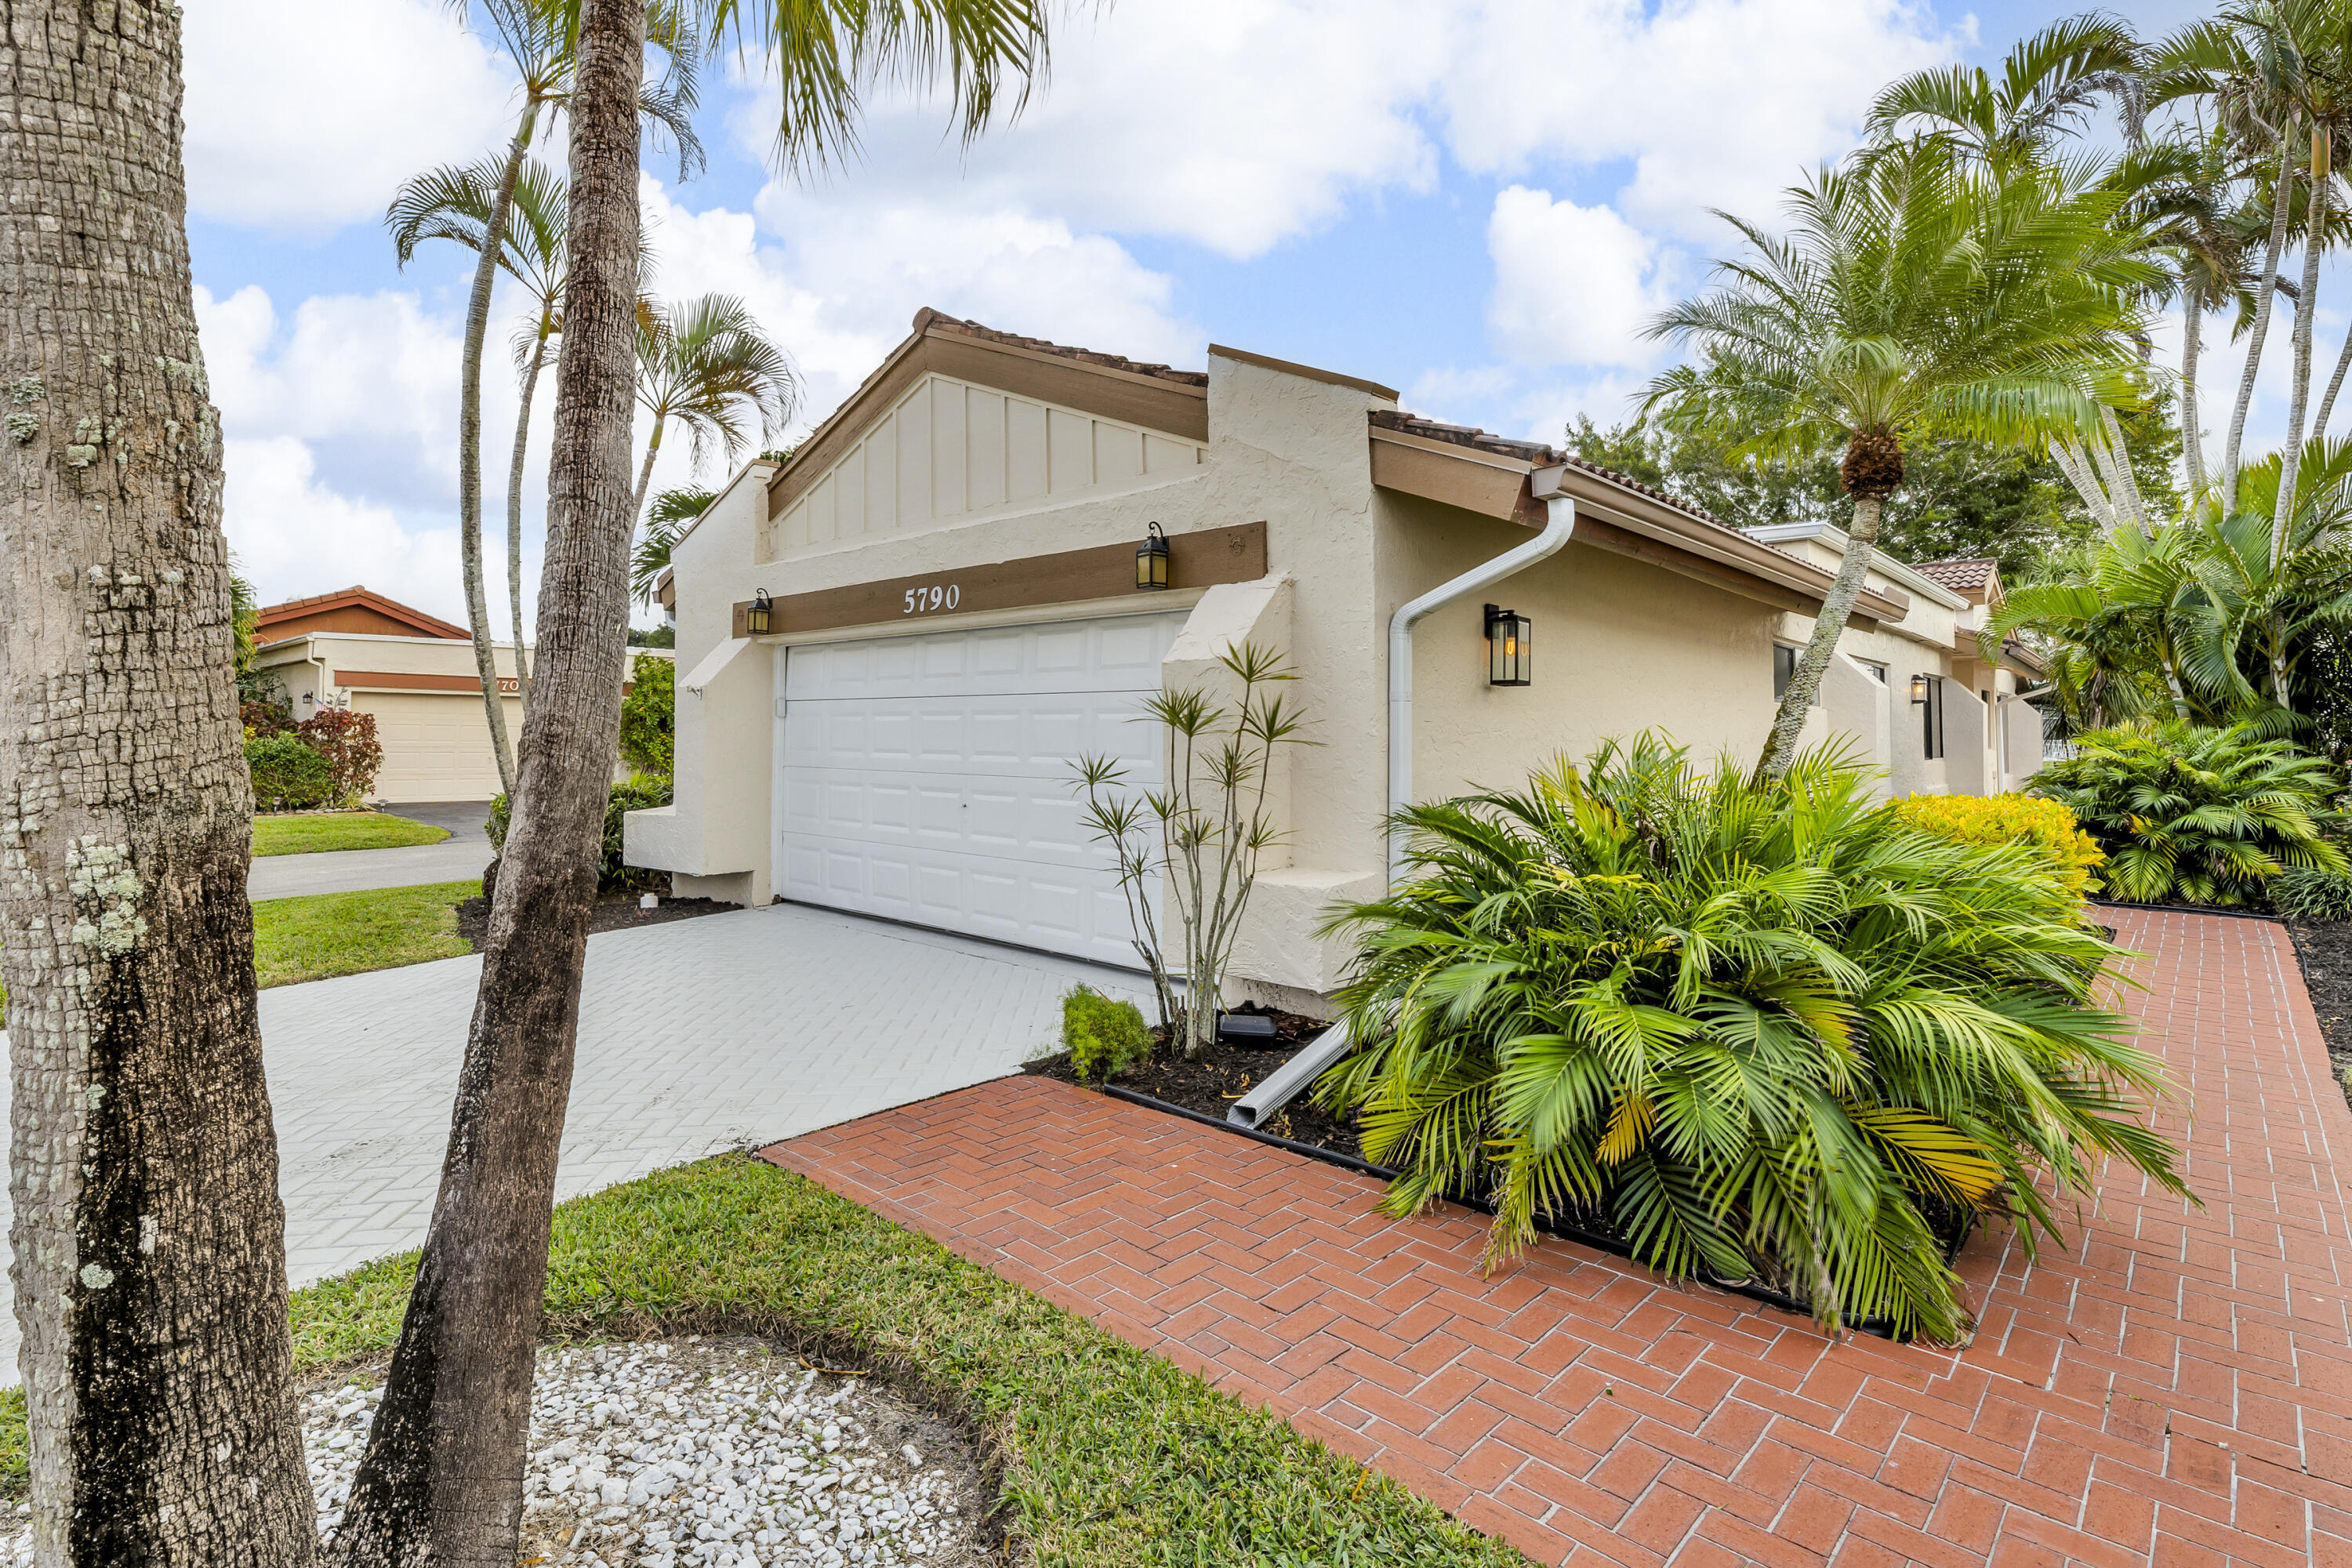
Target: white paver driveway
x=725 y=1031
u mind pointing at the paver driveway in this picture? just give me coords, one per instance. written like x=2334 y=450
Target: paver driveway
x=725 y=1031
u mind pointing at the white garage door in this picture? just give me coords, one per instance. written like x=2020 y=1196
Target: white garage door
x=927 y=778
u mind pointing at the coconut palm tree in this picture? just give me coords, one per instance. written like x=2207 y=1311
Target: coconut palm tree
x=1913 y=285
x=706 y=363
x=540 y=41
x=442 y=1475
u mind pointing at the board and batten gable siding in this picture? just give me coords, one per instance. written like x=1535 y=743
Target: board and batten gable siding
x=952 y=449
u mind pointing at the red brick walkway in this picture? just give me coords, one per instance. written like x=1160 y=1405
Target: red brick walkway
x=2176 y=1390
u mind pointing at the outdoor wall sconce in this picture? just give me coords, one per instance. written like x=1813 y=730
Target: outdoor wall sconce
x=1152 y=562
x=1918 y=691
x=760 y=615
x=1510 y=659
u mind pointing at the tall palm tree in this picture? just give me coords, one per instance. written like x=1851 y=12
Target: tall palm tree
x=441 y=1478
x=2048 y=85
x=2258 y=607
x=541 y=42
x=1997 y=299
x=706 y=363
x=673 y=512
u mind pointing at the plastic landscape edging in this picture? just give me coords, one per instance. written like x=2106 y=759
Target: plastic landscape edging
x=1879 y=1327
x=2189 y=909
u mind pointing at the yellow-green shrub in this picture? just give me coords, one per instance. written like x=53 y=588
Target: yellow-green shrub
x=2047 y=825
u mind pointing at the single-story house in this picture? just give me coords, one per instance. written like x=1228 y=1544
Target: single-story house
x=949 y=572
x=414 y=672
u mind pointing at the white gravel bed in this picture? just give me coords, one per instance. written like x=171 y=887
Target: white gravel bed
x=699 y=1453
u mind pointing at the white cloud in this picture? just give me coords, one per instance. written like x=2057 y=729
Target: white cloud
x=295 y=536
x=305 y=117
x=1714 y=103
x=1572 y=285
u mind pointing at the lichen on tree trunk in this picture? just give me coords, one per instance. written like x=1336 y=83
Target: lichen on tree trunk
x=150 y=1263
x=441 y=1481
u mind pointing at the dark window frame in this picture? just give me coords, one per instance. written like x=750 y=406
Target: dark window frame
x=1932 y=734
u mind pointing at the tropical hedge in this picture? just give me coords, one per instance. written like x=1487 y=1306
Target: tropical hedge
x=2189 y=813
x=2045 y=826
x=1759 y=1030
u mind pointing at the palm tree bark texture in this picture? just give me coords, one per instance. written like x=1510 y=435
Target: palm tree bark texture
x=149 y=1261
x=441 y=1481
x=1872 y=470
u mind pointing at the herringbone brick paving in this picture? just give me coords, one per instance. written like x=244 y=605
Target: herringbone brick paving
x=2173 y=1387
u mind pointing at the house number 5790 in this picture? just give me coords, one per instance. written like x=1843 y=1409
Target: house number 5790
x=922 y=601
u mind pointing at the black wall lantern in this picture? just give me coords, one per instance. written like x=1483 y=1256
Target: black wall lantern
x=1918 y=691
x=1152 y=562
x=760 y=615
x=1510 y=660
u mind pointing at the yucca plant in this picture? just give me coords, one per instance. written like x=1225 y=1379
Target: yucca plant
x=1761 y=1029
x=2197 y=815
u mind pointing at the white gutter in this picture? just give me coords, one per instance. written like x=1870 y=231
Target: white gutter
x=1560 y=522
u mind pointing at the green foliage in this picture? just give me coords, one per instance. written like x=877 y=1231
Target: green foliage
x=1112 y=1457
x=649 y=715
x=669 y=515
x=2197 y=815
x=346 y=742
x=1760 y=1028
x=287 y=775
x=1104 y=1037
x=641 y=792
x=2046 y=826
x=2308 y=894
x=264 y=717
x=662 y=636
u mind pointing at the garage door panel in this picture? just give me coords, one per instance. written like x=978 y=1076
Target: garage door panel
x=927 y=778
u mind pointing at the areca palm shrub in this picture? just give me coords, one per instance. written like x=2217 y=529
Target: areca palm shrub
x=1759 y=1028
x=2201 y=816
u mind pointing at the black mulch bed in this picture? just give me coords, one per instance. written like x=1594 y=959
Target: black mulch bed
x=2325 y=949
x=1223 y=1073
x=616 y=911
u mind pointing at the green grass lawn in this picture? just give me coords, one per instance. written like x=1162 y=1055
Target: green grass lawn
x=309 y=833
x=1111 y=1456
x=322 y=935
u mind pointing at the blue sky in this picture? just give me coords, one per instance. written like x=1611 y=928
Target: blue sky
x=1476 y=201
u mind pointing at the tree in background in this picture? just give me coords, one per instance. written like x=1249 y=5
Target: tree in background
x=441 y=1480
x=1912 y=286
x=148 y=1237
x=649 y=716
x=707 y=365
x=674 y=511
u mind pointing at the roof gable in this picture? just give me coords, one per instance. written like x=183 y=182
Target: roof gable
x=351 y=610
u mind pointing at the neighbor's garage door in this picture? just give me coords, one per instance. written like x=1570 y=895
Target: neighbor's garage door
x=927 y=778
x=436 y=744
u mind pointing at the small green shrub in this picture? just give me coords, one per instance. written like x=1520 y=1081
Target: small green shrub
x=287 y=774
x=1104 y=1037
x=641 y=793
x=2046 y=826
x=2304 y=894
x=1758 y=1029
x=2197 y=815
x=649 y=715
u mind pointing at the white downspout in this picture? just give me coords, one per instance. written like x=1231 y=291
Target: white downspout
x=1559 y=523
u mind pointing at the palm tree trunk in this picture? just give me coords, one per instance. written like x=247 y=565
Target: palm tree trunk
x=1805 y=684
x=645 y=474
x=2192 y=343
x=469 y=445
x=442 y=1477
x=2335 y=386
x=514 y=510
x=2281 y=199
x=2306 y=310
x=149 y=1239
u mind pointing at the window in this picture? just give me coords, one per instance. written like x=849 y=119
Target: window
x=1877 y=671
x=1784 y=668
x=1932 y=719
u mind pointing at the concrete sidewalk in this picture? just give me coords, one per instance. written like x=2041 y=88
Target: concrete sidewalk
x=723 y=1032
x=460 y=855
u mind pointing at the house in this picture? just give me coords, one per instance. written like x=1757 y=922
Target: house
x=362 y=651
x=949 y=571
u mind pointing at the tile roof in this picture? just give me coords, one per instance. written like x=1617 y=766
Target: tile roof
x=1957 y=574
x=928 y=318
x=1534 y=452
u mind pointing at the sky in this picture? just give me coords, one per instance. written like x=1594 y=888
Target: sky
x=1479 y=202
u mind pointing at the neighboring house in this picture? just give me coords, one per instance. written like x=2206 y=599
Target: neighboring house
x=950 y=559
x=359 y=650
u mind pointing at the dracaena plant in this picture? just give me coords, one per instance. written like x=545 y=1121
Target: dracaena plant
x=1195 y=840
x=1758 y=1028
